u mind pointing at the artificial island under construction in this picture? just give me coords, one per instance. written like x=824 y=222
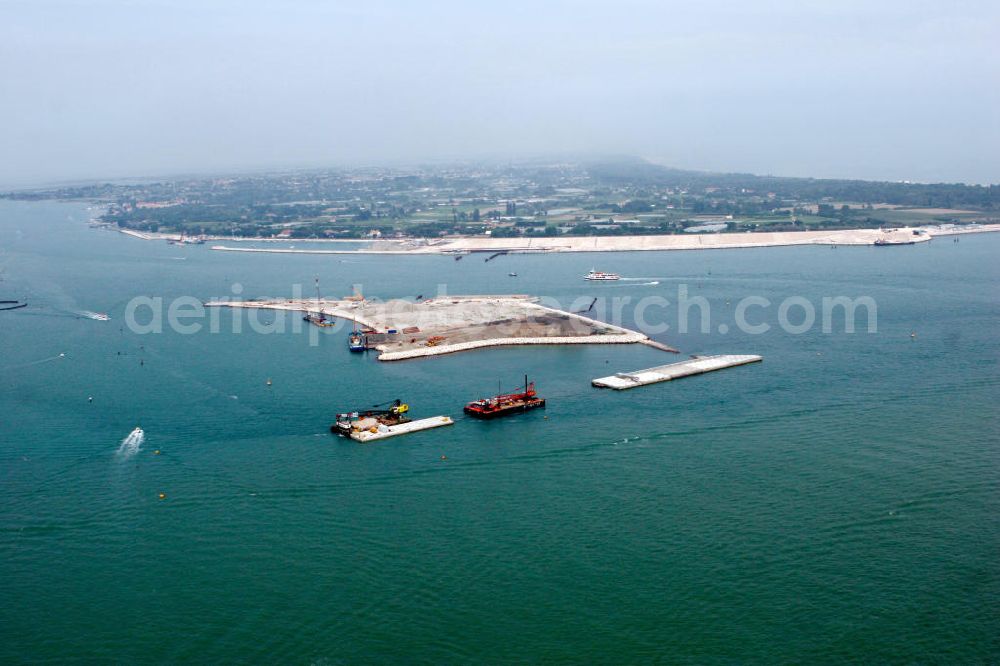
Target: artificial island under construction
x=403 y=329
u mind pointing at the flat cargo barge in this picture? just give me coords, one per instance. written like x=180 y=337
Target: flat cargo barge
x=664 y=373
x=384 y=431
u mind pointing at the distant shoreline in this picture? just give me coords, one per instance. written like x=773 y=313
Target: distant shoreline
x=465 y=245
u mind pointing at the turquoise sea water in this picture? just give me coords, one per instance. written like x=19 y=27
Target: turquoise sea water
x=839 y=501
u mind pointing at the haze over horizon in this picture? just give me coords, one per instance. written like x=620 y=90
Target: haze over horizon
x=119 y=88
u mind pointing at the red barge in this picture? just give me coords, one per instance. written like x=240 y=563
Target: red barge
x=506 y=403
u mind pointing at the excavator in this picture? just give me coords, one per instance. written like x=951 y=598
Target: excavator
x=386 y=413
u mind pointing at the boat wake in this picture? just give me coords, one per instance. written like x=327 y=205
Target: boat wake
x=88 y=314
x=651 y=283
x=692 y=278
x=132 y=443
x=47 y=359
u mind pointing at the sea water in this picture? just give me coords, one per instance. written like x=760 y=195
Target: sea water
x=837 y=501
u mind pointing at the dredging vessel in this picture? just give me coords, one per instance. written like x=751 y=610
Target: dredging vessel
x=506 y=404
x=317 y=318
x=383 y=421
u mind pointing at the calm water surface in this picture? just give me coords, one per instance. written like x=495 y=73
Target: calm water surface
x=838 y=501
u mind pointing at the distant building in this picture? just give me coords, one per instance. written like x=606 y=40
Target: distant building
x=512 y=209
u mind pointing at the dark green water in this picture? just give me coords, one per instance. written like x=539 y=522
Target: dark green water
x=838 y=502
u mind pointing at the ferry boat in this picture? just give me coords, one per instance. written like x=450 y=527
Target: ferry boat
x=506 y=403
x=600 y=275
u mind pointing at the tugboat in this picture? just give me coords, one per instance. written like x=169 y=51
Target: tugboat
x=506 y=403
x=599 y=275
x=356 y=340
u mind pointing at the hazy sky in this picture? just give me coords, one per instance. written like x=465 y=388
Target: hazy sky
x=902 y=89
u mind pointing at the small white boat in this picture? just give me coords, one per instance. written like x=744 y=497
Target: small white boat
x=600 y=275
x=511 y=274
x=132 y=443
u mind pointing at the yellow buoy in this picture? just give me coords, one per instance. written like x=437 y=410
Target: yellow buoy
x=156 y=452
x=163 y=496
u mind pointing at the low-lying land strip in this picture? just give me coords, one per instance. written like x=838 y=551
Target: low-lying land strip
x=407 y=329
x=462 y=245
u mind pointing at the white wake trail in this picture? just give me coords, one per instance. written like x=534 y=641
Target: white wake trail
x=635 y=284
x=132 y=443
x=89 y=314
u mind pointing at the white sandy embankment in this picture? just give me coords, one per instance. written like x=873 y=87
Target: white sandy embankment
x=144 y=235
x=502 y=342
x=623 y=336
x=163 y=236
x=734 y=240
